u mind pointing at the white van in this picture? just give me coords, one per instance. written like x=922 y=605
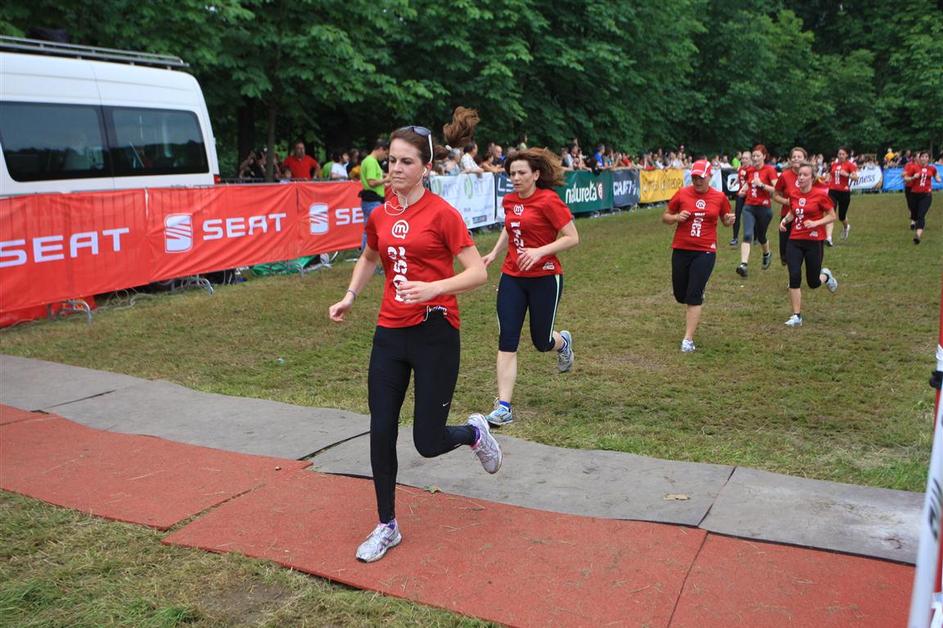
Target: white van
x=76 y=118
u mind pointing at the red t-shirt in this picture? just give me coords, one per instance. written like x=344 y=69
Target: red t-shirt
x=910 y=170
x=418 y=244
x=838 y=181
x=301 y=168
x=758 y=196
x=787 y=184
x=924 y=181
x=811 y=205
x=742 y=177
x=531 y=223
x=699 y=231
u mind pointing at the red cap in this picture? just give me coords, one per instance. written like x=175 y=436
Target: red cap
x=701 y=168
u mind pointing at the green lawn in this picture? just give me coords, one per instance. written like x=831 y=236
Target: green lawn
x=843 y=398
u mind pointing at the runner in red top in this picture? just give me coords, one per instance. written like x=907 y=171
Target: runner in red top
x=811 y=209
x=300 y=164
x=921 y=191
x=910 y=169
x=695 y=210
x=416 y=236
x=757 y=213
x=841 y=173
x=537 y=226
x=788 y=182
x=746 y=160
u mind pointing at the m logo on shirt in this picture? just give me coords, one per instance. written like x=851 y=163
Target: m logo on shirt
x=700 y=204
x=802 y=202
x=400 y=229
x=518 y=210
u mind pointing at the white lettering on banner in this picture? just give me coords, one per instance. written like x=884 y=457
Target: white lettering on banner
x=472 y=195
x=239 y=226
x=581 y=195
x=52 y=248
x=870 y=177
x=623 y=188
x=348 y=215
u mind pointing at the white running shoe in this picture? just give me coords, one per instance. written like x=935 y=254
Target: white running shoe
x=487 y=448
x=565 y=355
x=844 y=232
x=687 y=346
x=794 y=321
x=381 y=539
x=830 y=282
x=500 y=415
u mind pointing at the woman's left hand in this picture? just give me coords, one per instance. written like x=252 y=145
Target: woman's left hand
x=527 y=258
x=417 y=291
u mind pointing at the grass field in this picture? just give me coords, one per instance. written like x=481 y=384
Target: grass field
x=843 y=398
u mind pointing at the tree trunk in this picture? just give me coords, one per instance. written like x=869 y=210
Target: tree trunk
x=270 y=142
x=245 y=128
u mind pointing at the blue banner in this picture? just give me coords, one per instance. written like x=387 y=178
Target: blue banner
x=893 y=180
x=625 y=187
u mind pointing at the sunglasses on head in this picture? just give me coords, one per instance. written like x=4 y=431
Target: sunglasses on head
x=423 y=131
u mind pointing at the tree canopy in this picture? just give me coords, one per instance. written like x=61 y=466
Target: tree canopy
x=714 y=75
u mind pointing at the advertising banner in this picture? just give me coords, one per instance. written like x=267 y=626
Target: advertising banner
x=625 y=187
x=717 y=179
x=471 y=194
x=502 y=187
x=893 y=180
x=330 y=217
x=191 y=231
x=55 y=247
x=731 y=183
x=870 y=179
x=585 y=192
x=660 y=185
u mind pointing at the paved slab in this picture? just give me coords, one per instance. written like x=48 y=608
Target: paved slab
x=856 y=519
x=585 y=482
x=501 y=563
x=241 y=424
x=138 y=479
x=37 y=385
x=9 y=414
x=746 y=583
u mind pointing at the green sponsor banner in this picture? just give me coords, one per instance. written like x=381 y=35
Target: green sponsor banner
x=585 y=192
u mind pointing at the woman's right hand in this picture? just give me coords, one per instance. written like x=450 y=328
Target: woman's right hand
x=337 y=311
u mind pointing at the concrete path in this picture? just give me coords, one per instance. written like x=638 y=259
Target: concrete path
x=738 y=502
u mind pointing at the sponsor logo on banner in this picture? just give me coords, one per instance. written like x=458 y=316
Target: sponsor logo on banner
x=583 y=194
x=870 y=177
x=53 y=247
x=624 y=188
x=178 y=233
x=400 y=229
x=733 y=182
x=317 y=212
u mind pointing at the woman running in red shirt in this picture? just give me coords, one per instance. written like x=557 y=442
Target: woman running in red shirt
x=811 y=209
x=788 y=182
x=416 y=236
x=695 y=210
x=757 y=213
x=921 y=191
x=539 y=225
x=841 y=173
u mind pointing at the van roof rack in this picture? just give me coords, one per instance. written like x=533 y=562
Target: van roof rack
x=57 y=49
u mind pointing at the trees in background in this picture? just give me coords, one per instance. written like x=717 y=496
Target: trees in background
x=714 y=75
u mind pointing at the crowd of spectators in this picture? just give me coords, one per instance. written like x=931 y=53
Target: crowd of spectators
x=345 y=165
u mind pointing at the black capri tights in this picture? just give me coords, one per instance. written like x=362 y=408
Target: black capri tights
x=431 y=352
x=809 y=251
x=922 y=203
x=690 y=271
x=518 y=295
x=842 y=200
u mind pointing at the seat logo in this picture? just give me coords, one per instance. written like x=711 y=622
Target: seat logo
x=317 y=213
x=178 y=233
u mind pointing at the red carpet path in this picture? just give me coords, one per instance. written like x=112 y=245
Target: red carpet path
x=501 y=563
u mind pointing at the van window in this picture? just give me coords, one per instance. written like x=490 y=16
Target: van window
x=42 y=142
x=155 y=142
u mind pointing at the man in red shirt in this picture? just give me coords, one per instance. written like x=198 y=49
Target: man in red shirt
x=299 y=164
